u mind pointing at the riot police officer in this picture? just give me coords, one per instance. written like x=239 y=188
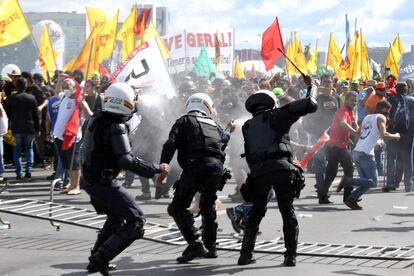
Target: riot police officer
x=199 y=141
x=107 y=151
x=269 y=156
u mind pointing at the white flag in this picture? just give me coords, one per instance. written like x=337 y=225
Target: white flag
x=145 y=68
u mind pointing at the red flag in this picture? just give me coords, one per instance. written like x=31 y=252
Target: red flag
x=315 y=148
x=142 y=21
x=253 y=72
x=271 y=40
x=104 y=72
x=72 y=126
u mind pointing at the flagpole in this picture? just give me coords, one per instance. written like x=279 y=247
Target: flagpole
x=89 y=60
x=86 y=77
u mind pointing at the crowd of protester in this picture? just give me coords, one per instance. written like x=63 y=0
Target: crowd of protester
x=34 y=112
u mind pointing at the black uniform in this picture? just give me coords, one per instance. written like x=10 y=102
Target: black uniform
x=269 y=156
x=199 y=141
x=107 y=152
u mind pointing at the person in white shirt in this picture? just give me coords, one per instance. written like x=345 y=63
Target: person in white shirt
x=373 y=128
x=70 y=158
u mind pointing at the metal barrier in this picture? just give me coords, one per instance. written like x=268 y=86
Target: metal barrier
x=169 y=234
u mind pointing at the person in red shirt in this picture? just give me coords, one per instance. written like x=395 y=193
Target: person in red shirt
x=343 y=125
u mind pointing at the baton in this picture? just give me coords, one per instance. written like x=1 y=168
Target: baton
x=294 y=65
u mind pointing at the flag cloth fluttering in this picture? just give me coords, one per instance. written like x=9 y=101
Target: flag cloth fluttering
x=96 y=19
x=392 y=61
x=106 y=38
x=334 y=58
x=72 y=125
x=217 y=53
x=312 y=65
x=150 y=32
x=238 y=72
x=203 y=66
x=86 y=58
x=394 y=55
x=12 y=28
x=127 y=33
x=46 y=55
x=298 y=55
x=143 y=20
x=271 y=40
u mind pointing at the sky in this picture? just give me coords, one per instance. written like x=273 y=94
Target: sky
x=312 y=20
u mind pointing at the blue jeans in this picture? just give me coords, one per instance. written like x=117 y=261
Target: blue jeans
x=129 y=176
x=1 y=156
x=367 y=170
x=60 y=171
x=26 y=141
x=378 y=158
x=404 y=150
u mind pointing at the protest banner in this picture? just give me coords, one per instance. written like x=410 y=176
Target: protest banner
x=406 y=67
x=185 y=47
x=145 y=67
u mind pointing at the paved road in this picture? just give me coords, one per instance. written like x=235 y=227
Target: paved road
x=33 y=247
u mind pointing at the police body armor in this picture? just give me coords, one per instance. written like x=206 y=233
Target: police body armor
x=100 y=161
x=203 y=140
x=262 y=142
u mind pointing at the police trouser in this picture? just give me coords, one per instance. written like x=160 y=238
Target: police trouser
x=125 y=220
x=281 y=183
x=185 y=189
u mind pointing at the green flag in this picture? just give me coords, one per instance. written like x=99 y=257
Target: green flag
x=203 y=66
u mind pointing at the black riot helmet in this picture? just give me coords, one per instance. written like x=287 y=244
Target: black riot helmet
x=261 y=100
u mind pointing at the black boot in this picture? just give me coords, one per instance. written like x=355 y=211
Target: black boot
x=195 y=250
x=290 y=260
x=212 y=252
x=246 y=251
x=99 y=241
x=99 y=263
x=209 y=237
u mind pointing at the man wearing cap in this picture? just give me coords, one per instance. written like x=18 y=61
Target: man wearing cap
x=372 y=100
x=401 y=106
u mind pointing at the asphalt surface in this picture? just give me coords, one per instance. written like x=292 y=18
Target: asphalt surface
x=34 y=247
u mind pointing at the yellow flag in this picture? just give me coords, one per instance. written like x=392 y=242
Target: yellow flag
x=354 y=55
x=290 y=70
x=105 y=40
x=96 y=19
x=298 y=56
x=398 y=44
x=46 y=55
x=87 y=58
x=127 y=33
x=312 y=65
x=13 y=24
x=365 y=65
x=334 y=58
x=392 y=60
x=150 y=32
x=238 y=72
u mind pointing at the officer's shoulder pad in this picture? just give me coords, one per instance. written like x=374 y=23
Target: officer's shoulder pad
x=118 y=128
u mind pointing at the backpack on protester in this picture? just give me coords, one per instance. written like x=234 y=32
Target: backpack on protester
x=400 y=120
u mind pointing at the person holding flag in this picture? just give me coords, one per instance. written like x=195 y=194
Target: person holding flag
x=67 y=131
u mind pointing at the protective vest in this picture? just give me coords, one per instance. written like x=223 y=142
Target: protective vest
x=99 y=155
x=203 y=139
x=262 y=142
